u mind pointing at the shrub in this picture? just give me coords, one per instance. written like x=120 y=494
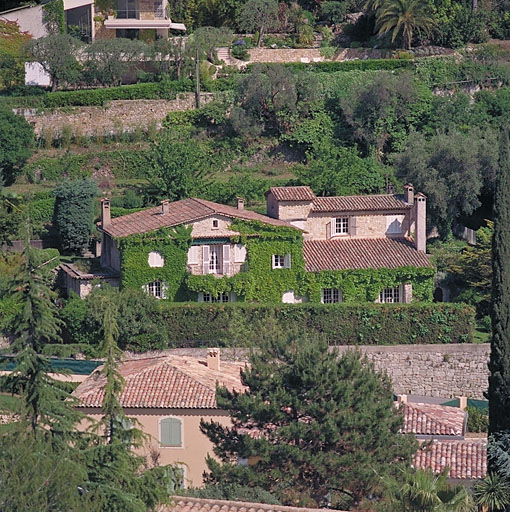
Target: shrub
x=478 y=420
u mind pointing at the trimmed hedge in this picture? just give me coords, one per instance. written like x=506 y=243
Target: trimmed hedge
x=342 y=324
x=349 y=65
x=98 y=97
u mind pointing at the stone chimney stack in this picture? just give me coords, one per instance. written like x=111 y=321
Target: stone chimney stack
x=164 y=206
x=240 y=203
x=106 y=216
x=463 y=402
x=402 y=399
x=409 y=194
x=213 y=358
x=420 y=208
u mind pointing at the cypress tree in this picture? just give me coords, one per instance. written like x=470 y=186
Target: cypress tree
x=317 y=429
x=499 y=364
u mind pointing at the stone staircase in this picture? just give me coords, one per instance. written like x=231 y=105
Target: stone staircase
x=224 y=55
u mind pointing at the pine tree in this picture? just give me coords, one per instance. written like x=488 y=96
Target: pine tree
x=499 y=363
x=315 y=428
x=45 y=404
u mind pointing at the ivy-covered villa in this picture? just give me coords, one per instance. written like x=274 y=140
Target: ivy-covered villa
x=306 y=248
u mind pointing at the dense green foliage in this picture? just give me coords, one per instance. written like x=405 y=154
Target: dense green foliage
x=146 y=324
x=499 y=363
x=306 y=406
x=478 y=420
x=74 y=213
x=16 y=142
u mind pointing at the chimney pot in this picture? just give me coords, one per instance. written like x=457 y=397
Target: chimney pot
x=106 y=217
x=240 y=203
x=165 y=206
x=402 y=399
x=463 y=402
x=420 y=206
x=409 y=193
x=213 y=358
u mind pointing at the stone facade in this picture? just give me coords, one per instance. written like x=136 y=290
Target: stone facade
x=125 y=115
x=444 y=371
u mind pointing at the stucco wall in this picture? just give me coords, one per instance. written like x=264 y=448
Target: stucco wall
x=29 y=19
x=195 y=446
x=125 y=115
x=433 y=370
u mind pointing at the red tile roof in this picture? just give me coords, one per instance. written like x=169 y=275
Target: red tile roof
x=361 y=253
x=466 y=459
x=371 y=203
x=185 y=504
x=168 y=381
x=292 y=193
x=180 y=212
x=75 y=273
x=433 y=420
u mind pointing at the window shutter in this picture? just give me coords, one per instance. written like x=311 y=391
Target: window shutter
x=164 y=290
x=226 y=259
x=322 y=295
x=352 y=226
x=171 y=432
x=286 y=261
x=205 y=259
x=193 y=255
x=239 y=253
x=328 y=229
x=272 y=261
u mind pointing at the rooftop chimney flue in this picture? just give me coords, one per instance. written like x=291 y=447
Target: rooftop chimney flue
x=165 y=206
x=213 y=359
x=240 y=203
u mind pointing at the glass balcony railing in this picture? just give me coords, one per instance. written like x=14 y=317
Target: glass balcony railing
x=137 y=14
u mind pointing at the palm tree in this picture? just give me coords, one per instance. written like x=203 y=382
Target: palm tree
x=403 y=18
x=492 y=493
x=425 y=491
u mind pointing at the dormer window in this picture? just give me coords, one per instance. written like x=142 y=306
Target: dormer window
x=341 y=226
x=215 y=224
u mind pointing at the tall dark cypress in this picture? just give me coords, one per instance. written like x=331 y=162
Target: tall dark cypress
x=499 y=364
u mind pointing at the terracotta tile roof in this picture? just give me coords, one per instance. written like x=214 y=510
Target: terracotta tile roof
x=185 y=504
x=75 y=273
x=433 y=420
x=361 y=253
x=360 y=203
x=292 y=193
x=179 y=212
x=168 y=381
x=466 y=459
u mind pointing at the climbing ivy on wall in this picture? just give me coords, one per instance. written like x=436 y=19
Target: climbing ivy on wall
x=263 y=284
x=54 y=17
x=172 y=244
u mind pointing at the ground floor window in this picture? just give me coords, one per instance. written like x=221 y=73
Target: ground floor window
x=331 y=295
x=221 y=297
x=390 y=295
x=155 y=289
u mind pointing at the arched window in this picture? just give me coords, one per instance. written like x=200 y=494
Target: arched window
x=170 y=432
x=156 y=260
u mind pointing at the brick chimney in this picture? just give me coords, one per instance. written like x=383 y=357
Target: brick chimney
x=240 y=203
x=164 y=206
x=106 y=216
x=213 y=358
x=420 y=209
x=409 y=194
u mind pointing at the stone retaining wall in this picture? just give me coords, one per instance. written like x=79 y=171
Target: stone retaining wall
x=115 y=116
x=444 y=371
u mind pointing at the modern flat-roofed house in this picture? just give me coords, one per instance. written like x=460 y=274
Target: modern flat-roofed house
x=307 y=248
x=169 y=396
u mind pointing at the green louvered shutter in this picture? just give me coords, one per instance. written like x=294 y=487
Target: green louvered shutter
x=171 y=432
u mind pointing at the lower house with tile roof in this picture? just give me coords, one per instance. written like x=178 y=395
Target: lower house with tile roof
x=169 y=396
x=305 y=249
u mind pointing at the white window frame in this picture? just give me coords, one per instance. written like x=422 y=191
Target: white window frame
x=156 y=289
x=222 y=298
x=161 y=445
x=331 y=295
x=279 y=261
x=340 y=226
x=388 y=295
x=215 y=259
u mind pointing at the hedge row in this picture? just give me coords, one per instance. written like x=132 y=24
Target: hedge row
x=342 y=324
x=352 y=65
x=98 y=97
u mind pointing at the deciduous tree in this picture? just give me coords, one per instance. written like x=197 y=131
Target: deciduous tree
x=315 y=427
x=258 y=15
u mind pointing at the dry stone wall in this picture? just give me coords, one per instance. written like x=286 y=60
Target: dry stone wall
x=115 y=116
x=444 y=371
